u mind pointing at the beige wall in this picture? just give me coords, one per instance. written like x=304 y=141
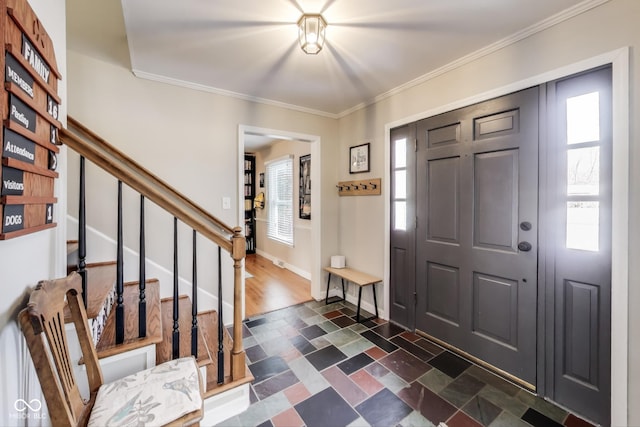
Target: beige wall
x=606 y=28
x=26 y=260
x=297 y=257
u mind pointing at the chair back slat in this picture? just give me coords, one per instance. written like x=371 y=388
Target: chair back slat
x=43 y=325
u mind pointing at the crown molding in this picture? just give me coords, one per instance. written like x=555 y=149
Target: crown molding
x=494 y=47
x=223 y=92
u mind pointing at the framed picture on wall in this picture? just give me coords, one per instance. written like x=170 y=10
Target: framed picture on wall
x=305 y=187
x=359 y=158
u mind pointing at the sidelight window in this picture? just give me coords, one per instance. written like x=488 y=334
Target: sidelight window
x=583 y=172
x=399 y=170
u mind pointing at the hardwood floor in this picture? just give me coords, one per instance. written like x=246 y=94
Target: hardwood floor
x=272 y=287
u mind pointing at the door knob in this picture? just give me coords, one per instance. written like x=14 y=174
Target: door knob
x=524 y=246
x=525 y=226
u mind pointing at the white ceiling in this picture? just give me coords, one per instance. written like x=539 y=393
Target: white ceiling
x=248 y=48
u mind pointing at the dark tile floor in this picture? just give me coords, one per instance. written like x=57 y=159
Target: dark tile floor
x=314 y=366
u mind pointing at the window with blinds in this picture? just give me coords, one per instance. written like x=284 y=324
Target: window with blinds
x=279 y=177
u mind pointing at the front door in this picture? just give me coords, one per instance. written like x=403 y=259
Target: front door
x=476 y=232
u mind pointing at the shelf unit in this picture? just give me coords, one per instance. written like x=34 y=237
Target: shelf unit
x=249 y=195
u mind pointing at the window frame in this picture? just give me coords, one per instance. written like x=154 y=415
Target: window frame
x=277 y=202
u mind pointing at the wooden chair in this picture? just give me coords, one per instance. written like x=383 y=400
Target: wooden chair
x=167 y=394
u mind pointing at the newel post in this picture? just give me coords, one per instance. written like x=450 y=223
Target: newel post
x=238 y=252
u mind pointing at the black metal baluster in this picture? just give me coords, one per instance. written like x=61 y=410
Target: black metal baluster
x=176 y=325
x=142 y=303
x=194 y=302
x=119 y=274
x=220 y=322
x=82 y=234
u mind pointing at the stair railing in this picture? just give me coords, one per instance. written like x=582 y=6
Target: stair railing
x=91 y=147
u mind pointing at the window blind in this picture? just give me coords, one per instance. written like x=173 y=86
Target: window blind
x=279 y=177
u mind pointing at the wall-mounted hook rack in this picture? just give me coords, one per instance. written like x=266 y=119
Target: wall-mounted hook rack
x=368 y=187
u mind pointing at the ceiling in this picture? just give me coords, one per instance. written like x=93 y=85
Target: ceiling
x=249 y=49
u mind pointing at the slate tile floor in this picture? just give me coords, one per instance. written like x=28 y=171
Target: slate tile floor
x=314 y=366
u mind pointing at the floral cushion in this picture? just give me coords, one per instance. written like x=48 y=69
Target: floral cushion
x=152 y=397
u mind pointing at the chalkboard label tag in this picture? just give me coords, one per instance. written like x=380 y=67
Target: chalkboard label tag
x=12 y=218
x=48 y=214
x=18 y=147
x=52 y=107
x=54 y=134
x=12 y=182
x=20 y=113
x=34 y=59
x=14 y=72
x=53 y=161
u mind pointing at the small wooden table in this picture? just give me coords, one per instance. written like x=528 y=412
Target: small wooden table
x=357 y=277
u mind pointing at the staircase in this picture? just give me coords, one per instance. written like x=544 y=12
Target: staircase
x=127 y=318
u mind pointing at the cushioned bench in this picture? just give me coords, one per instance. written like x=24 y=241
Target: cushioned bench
x=358 y=278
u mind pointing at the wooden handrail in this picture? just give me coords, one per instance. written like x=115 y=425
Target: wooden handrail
x=92 y=147
x=97 y=150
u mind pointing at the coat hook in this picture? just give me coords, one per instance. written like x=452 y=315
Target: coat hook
x=373 y=185
x=364 y=186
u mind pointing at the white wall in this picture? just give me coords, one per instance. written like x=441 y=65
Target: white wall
x=27 y=259
x=606 y=28
x=189 y=139
x=298 y=257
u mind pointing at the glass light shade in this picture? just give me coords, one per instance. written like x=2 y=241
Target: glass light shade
x=311 y=31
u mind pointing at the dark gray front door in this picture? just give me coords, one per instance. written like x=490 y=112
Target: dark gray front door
x=476 y=234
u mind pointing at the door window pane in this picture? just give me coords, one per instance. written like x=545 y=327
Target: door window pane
x=400 y=154
x=583 y=118
x=400 y=217
x=583 y=220
x=583 y=171
x=400 y=185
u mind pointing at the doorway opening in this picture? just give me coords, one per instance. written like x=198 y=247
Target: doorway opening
x=271 y=256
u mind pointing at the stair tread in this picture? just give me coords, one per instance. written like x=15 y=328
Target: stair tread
x=101 y=277
x=72 y=246
x=164 y=350
x=107 y=345
x=208 y=321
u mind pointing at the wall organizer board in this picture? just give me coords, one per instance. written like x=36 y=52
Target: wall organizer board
x=30 y=107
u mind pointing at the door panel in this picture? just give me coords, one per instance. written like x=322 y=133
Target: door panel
x=581 y=320
x=499 y=296
x=475 y=289
x=449 y=134
x=443 y=210
x=443 y=291
x=496 y=200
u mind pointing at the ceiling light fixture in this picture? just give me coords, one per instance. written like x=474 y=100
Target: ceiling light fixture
x=311 y=29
